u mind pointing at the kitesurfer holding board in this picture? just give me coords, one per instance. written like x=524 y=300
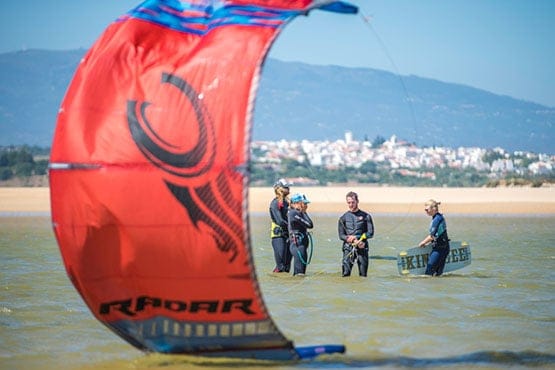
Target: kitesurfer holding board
x=438 y=239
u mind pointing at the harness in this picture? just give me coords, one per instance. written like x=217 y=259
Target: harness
x=276 y=231
x=442 y=239
x=353 y=253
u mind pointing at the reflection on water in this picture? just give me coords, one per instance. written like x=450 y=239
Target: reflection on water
x=498 y=312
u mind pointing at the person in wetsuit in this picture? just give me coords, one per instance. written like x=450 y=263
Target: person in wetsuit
x=279 y=234
x=355 y=227
x=299 y=223
x=438 y=238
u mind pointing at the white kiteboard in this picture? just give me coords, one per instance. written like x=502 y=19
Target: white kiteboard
x=413 y=261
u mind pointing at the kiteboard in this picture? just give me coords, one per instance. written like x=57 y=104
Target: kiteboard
x=413 y=261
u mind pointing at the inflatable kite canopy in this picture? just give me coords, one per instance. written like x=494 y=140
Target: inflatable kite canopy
x=149 y=180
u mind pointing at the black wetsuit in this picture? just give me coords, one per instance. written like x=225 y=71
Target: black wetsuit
x=299 y=223
x=359 y=224
x=279 y=234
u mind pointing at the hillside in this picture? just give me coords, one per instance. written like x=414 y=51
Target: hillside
x=301 y=101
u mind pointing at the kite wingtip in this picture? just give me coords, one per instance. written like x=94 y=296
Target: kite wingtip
x=313 y=351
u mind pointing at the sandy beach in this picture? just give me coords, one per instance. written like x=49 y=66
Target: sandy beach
x=521 y=200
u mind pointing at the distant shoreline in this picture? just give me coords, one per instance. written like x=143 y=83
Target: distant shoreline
x=396 y=200
x=403 y=200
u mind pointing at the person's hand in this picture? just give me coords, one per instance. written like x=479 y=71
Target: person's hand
x=360 y=244
x=351 y=239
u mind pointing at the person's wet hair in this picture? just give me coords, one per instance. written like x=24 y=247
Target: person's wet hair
x=353 y=195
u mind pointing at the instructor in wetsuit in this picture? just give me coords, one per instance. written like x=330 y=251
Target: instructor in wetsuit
x=438 y=238
x=355 y=227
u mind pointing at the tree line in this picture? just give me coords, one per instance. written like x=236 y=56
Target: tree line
x=374 y=173
x=22 y=161
x=26 y=161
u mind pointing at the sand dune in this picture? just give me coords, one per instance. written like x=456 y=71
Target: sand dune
x=523 y=200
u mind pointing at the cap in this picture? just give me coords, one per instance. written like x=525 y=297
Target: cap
x=305 y=199
x=296 y=198
x=281 y=183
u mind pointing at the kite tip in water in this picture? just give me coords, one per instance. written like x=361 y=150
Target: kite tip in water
x=313 y=351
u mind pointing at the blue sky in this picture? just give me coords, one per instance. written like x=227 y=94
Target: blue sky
x=503 y=46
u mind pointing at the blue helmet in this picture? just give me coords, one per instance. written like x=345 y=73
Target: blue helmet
x=296 y=198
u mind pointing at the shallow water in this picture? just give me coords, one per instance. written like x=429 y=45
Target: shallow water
x=497 y=312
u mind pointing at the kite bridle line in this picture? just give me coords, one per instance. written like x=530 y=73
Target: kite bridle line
x=310 y=249
x=297 y=239
x=353 y=254
x=367 y=22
